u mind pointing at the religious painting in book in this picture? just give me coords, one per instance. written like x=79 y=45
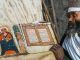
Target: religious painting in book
x=19 y=38
x=8 y=46
x=37 y=34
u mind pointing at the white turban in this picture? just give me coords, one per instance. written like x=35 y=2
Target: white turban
x=73 y=9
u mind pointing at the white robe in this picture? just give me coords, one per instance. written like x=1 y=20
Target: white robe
x=72 y=45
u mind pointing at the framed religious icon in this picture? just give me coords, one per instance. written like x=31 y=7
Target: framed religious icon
x=30 y=34
x=8 y=46
x=19 y=38
x=44 y=34
x=36 y=35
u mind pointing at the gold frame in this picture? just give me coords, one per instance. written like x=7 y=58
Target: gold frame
x=36 y=27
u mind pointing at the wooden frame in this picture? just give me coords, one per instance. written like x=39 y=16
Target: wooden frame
x=40 y=34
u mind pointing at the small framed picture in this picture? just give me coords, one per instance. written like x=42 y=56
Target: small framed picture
x=30 y=34
x=18 y=35
x=44 y=33
x=8 y=46
x=37 y=34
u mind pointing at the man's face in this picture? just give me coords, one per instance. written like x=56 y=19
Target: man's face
x=77 y=16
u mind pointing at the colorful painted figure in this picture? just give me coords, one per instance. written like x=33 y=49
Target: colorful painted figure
x=19 y=39
x=7 y=43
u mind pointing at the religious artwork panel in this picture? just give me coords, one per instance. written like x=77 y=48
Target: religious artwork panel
x=8 y=46
x=19 y=38
x=30 y=34
x=44 y=33
x=37 y=34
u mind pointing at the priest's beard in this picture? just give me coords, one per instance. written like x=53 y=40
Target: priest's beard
x=78 y=27
x=77 y=23
x=73 y=28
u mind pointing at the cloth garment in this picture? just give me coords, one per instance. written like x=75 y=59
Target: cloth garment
x=72 y=45
x=38 y=56
x=71 y=42
x=7 y=46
